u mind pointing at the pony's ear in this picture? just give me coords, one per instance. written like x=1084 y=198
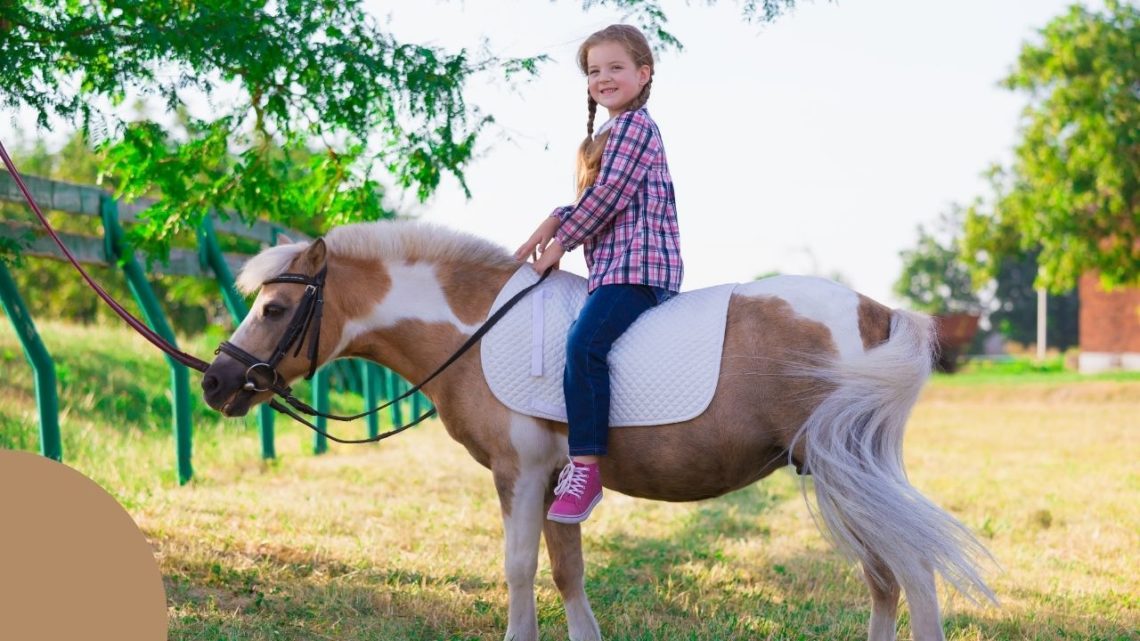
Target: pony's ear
x=314 y=257
x=282 y=239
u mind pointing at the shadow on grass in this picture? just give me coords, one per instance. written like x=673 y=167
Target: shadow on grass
x=734 y=516
x=689 y=585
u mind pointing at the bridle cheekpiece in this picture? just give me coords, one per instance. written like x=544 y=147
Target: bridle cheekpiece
x=262 y=376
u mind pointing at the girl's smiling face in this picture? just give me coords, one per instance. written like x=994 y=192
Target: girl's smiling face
x=613 y=79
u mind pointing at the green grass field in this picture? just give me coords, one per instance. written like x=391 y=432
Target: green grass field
x=403 y=540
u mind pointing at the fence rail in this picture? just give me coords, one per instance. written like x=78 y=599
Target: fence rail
x=206 y=260
x=86 y=200
x=92 y=251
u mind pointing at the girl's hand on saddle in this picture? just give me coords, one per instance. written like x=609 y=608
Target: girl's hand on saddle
x=549 y=257
x=539 y=240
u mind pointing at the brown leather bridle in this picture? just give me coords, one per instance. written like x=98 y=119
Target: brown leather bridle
x=306 y=320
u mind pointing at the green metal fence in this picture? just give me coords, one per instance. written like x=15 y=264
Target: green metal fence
x=372 y=382
x=46 y=400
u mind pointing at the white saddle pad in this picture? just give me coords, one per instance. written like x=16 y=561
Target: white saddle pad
x=663 y=370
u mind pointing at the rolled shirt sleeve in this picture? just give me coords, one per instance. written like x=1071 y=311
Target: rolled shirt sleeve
x=561 y=212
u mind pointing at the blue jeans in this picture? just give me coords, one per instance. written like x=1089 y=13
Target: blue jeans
x=608 y=312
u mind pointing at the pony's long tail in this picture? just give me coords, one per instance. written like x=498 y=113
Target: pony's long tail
x=853 y=447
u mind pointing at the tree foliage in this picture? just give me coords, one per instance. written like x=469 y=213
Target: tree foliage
x=315 y=109
x=290 y=75
x=1073 y=190
x=934 y=277
x=651 y=18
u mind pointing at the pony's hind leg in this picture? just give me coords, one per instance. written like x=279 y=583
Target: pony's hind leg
x=853 y=445
x=884 y=602
x=922 y=601
x=564 y=543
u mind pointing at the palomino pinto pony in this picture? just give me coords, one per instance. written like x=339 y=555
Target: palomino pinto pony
x=811 y=372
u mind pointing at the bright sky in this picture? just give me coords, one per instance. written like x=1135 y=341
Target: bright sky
x=815 y=144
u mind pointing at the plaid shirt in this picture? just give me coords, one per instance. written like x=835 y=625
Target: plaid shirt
x=626 y=221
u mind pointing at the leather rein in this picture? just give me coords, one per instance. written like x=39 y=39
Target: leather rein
x=262 y=376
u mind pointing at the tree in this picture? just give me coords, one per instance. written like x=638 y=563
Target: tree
x=1014 y=309
x=309 y=73
x=327 y=107
x=1073 y=191
x=934 y=277
x=936 y=280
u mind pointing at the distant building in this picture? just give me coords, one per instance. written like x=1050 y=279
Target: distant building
x=994 y=345
x=1109 y=327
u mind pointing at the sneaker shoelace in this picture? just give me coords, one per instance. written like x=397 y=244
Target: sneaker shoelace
x=571 y=480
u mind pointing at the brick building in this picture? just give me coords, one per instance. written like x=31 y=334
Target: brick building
x=1109 y=327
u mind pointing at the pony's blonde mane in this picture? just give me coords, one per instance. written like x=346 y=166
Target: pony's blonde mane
x=400 y=240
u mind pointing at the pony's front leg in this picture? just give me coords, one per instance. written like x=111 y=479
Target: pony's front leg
x=521 y=500
x=564 y=543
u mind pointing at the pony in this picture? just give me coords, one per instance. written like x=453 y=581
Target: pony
x=812 y=374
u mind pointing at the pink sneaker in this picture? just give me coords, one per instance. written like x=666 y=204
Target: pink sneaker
x=579 y=489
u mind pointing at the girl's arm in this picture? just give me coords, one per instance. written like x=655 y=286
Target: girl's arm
x=629 y=153
x=539 y=240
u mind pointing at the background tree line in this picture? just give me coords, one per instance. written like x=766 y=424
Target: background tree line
x=1068 y=204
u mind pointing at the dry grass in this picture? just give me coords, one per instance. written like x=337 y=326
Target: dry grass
x=403 y=541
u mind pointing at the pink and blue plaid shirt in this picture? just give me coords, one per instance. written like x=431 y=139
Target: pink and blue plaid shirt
x=626 y=222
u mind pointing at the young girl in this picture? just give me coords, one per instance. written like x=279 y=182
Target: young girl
x=625 y=219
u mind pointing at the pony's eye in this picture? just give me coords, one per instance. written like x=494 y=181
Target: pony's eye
x=272 y=311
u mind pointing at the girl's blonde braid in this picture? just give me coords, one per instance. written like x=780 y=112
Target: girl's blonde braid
x=592 y=108
x=642 y=98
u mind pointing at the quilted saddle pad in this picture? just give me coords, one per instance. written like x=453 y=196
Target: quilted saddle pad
x=663 y=370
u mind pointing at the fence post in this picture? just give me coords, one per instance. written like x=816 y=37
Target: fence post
x=321 y=404
x=210 y=255
x=152 y=313
x=417 y=405
x=350 y=374
x=47 y=401
x=395 y=388
x=372 y=378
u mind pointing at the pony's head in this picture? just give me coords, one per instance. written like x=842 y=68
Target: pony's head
x=291 y=328
x=391 y=291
